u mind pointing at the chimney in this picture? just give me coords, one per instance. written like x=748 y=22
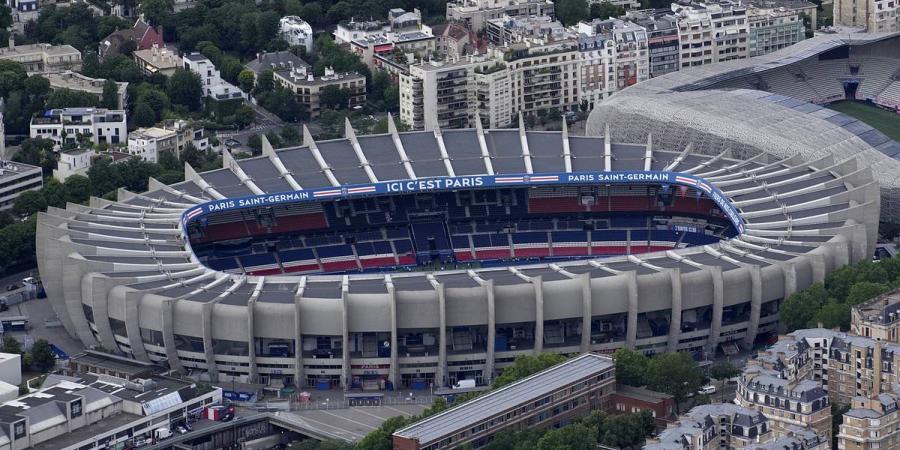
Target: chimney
x=876 y=369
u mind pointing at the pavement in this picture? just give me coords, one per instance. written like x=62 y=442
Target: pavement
x=351 y=424
x=39 y=313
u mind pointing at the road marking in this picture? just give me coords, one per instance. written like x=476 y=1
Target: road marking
x=405 y=414
x=369 y=414
x=326 y=425
x=348 y=420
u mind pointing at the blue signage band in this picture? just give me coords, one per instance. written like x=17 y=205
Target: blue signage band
x=438 y=184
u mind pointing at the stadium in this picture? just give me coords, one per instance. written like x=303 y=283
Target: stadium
x=419 y=258
x=778 y=104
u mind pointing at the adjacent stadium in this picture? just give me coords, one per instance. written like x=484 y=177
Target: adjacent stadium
x=421 y=258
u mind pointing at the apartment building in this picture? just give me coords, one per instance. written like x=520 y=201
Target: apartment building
x=773 y=29
x=39 y=59
x=711 y=32
x=547 y=399
x=872 y=423
x=172 y=136
x=475 y=14
x=75 y=81
x=543 y=76
x=296 y=32
x=596 y=69
x=876 y=16
x=307 y=86
x=861 y=366
x=662 y=39
x=347 y=32
x=75 y=161
x=878 y=318
x=157 y=59
x=506 y=30
x=715 y=426
x=437 y=95
x=493 y=95
x=213 y=85
x=16 y=178
x=64 y=126
x=632 y=59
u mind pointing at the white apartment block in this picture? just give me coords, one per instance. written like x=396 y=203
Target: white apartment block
x=476 y=13
x=711 y=32
x=348 y=32
x=173 y=137
x=213 y=84
x=64 y=126
x=73 y=162
x=296 y=32
x=543 y=76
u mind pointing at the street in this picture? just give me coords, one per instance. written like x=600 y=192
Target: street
x=39 y=313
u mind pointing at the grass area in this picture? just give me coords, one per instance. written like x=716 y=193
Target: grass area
x=882 y=120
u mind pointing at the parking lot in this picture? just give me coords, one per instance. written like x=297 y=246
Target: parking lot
x=353 y=423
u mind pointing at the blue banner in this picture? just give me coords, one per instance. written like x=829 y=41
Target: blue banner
x=437 y=184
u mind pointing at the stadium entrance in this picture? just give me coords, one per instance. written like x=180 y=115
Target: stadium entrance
x=462 y=229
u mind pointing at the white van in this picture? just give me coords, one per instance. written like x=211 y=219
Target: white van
x=464 y=384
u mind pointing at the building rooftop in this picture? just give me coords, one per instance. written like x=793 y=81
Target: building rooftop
x=29 y=49
x=275 y=61
x=111 y=362
x=495 y=402
x=882 y=310
x=10 y=169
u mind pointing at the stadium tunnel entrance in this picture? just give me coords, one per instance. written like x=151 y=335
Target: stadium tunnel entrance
x=457 y=229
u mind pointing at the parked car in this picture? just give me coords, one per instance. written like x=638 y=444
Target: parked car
x=707 y=390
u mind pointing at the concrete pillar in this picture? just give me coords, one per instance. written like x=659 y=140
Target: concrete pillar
x=394 y=375
x=299 y=372
x=93 y=291
x=755 y=305
x=251 y=344
x=132 y=323
x=860 y=243
x=206 y=325
x=72 y=295
x=345 y=335
x=51 y=254
x=168 y=332
x=441 y=375
x=586 y=312
x=675 y=322
x=488 y=374
x=841 y=252
x=538 y=283
x=817 y=264
x=715 y=328
x=790 y=279
x=631 y=324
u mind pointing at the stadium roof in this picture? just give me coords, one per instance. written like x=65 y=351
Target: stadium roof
x=696 y=106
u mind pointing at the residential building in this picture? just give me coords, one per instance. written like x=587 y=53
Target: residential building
x=632 y=400
x=876 y=16
x=400 y=20
x=77 y=82
x=773 y=29
x=475 y=14
x=16 y=178
x=878 y=318
x=307 y=86
x=141 y=36
x=543 y=76
x=597 y=68
x=23 y=11
x=454 y=40
x=799 y=7
x=63 y=126
x=632 y=57
x=87 y=411
x=275 y=61
x=546 y=399
x=493 y=95
x=662 y=39
x=411 y=44
x=40 y=59
x=347 y=32
x=871 y=423
x=213 y=84
x=711 y=32
x=296 y=32
x=75 y=161
x=715 y=426
x=171 y=136
x=786 y=402
x=505 y=30
x=157 y=59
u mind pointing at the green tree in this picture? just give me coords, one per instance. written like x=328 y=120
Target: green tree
x=626 y=430
x=42 y=356
x=392 y=98
x=832 y=314
x=721 y=370
x=865 y=290
x=157 y=11
x=604 y=10
x=67 y=98
x=265 y=82
x=333 y=97
x=572 y=437
x=11 y=345
x=185 y=88
x=28 y=203
x=631 y=367
x=110 y=97
x=290 y=135
x=674 y=373
x=800 y=308
x=37 y=152
x=246 y=79
x=244 y=116
x=143 y=115
x=104 y=177
x=17 y=244
x=54 y=193
x=106 y=25
x=570 y=12
x=12 y=77
x=78 y=188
